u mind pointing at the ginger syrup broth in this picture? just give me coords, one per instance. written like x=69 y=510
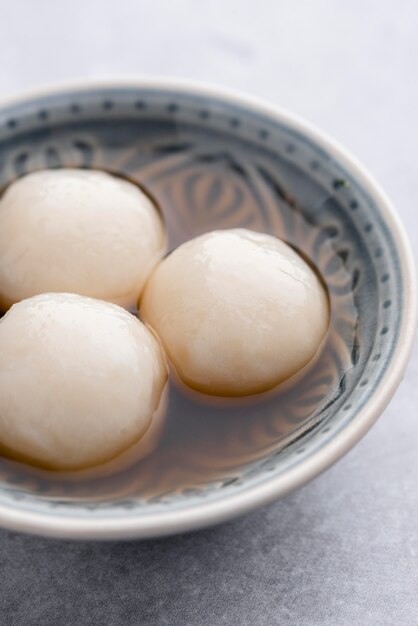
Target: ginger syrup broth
x=198 y=439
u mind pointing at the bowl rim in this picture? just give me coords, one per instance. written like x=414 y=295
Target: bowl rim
x=209 y=513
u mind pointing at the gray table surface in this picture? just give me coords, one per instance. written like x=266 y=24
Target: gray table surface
x=344 y=549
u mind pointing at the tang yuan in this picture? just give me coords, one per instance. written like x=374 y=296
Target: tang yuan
x=238 y=312
x=80 y=231
x=80 y=380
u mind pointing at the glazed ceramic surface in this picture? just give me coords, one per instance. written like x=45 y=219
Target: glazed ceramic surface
x=215 y=160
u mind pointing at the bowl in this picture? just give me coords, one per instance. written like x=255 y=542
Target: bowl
x=226 y=160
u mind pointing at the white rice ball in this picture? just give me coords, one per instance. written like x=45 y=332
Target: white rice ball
x=80 y=380
x=238 y=312
x=80 y=231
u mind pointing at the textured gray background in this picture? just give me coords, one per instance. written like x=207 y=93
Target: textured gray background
x=343 y=550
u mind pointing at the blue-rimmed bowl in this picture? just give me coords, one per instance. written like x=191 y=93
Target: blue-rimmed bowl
x=283 y=169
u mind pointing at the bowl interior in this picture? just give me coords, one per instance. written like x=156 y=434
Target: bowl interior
x=211 y=164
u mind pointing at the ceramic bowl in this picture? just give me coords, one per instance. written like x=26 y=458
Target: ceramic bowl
x=225 y=160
